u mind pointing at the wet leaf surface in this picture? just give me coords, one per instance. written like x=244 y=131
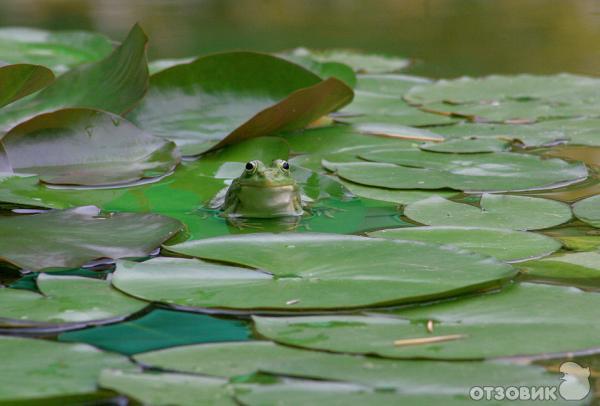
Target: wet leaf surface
x=87 y=147
x=524 y=319
x=64 y=302
x=580 y=269
x=467 y=145
x=358 y=61
x=74 y=237
x=500 y=211
x=588 y=210
x=506 y=245
x=60 y=369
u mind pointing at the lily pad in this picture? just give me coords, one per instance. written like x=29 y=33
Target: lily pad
x=164 y=389
x=235 y=360
x=324 y=70
x=499 y=211
x=588 y=211
x=581 y=269
x=224 y=98
x=87 y=147
x=18 y=81
x=392 y=195
x=308 y=271
x=500 y=171
x=114 y=84
x=525 y=319
x=74 y=237
x=65 y=302
x=58 y=50
x=360 y=62
x=506 y=245
x=160 y=329
x=60 y=369
x=467 y=145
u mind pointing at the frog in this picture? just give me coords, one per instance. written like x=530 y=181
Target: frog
x=263 y=191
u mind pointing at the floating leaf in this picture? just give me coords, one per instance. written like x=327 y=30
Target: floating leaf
x=500 y=171
x=74 y=237
x=500 y=211
x=58 y=50
x=114 y=84
x=308 y=271
x=525 y=319
x=358 y=61
x=579 y=269
x=162 y=64
x=18 y=81
x=163 y=389
x=231 y=360
x=467 y=145
x=60 y=369
x=224 y=98
x=87 y=147
x=65 y=302
x=324 y=70
x=588 y=210
x=392 y=195
x=506 y=245
x=160 y=329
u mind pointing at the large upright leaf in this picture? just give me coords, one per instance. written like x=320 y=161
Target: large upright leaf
x=308 y=271
x=224 y=98
x=87 y=147
x=71 y=238
x=500 y=211
x=38 y=369
x=65 y=302
x=114 y=84
x=525 y=319
x=20 y=80
x=57 y=50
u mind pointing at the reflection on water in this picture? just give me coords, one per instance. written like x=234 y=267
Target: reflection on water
x=451 y=37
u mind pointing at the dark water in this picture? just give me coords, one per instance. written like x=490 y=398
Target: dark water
x=448 y=37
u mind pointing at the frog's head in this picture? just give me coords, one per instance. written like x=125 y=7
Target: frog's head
x=258 y=174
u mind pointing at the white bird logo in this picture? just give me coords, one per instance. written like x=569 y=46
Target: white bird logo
x=575 y=383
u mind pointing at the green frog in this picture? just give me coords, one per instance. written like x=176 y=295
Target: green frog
x=263 y=192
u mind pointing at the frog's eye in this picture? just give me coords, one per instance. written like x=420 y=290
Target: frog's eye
x=250 y=166
x=283 y=164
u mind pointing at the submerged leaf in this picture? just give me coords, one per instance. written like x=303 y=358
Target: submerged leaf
x=74 y=237
x=87 y=147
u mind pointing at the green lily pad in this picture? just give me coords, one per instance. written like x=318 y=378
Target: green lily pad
x=164 y=389
x=74 y=237
x=160 y=329
x=500 y=171
x=506 y=245
x=588 y=211
x=114 y=84
x=581 y=269
x=581 y=131
x=308 y=271
x=162 y=64
x=87 y=147
x=388 y=84
x=525 y=319
x=392 y=195
x=396 y=131
x=231 y=360
x=60 y=369
x=58 y=50
x=499 y=211
x=324 y=70
x=18 y=81
x=224 y=98
x=358 y=61
x=65 y=302
x=467 y=145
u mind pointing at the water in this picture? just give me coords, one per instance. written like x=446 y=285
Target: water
x=448 y=37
